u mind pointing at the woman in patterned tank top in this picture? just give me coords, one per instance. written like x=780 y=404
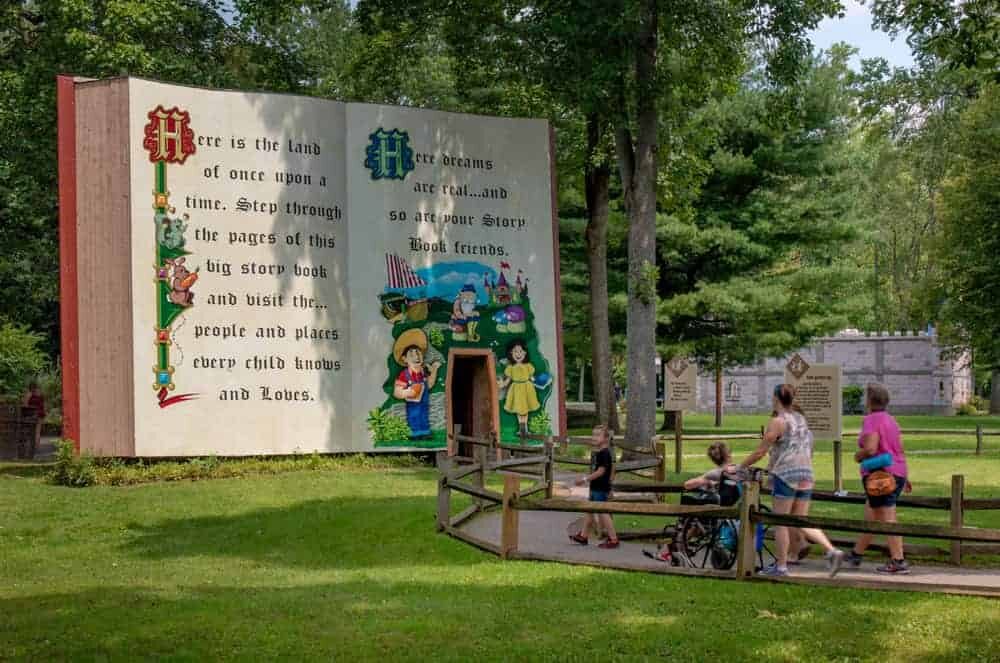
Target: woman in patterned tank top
x=790 y=443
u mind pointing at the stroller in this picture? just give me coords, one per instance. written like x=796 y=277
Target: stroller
x=699 y=541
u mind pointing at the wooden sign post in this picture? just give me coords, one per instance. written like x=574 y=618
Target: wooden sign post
x=680 y=392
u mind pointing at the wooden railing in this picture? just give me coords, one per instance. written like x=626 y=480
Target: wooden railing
x=679 y=438
x=535 y=459
x=957 y=504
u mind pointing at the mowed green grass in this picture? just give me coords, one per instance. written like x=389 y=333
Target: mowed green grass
x=346 y=565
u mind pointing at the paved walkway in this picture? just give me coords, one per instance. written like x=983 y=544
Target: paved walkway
x=543 y=536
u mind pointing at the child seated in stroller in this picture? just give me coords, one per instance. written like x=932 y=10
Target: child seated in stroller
x=719 y=486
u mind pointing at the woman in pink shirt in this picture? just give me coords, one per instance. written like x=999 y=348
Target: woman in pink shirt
x=880 y=435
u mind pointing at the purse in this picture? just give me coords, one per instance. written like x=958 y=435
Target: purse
x=880 y=484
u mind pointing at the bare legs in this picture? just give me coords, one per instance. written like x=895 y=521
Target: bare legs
x=782 y=505
x=606 y=522
x=801 y=508
x=784 y=537
x=884 y=514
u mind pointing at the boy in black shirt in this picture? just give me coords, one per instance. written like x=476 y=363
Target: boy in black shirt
x=601 y=466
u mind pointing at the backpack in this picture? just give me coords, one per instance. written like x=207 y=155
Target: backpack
x=729 y=490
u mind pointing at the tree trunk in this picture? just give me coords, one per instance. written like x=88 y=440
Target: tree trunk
x=995 y=392
x=639 y=169
x=597 y=183
x=718 y=396
x=583 y=372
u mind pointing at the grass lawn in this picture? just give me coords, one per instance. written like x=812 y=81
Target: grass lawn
x=346 y=565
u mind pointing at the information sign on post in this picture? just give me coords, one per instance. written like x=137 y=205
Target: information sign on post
x=681 y=389
x=680 y=392
x=819 y=395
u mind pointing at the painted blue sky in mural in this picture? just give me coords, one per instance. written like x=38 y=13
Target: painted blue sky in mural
x=445 y=279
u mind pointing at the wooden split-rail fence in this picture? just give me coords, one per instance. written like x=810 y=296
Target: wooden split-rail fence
x=537 y=458
x=679 y=439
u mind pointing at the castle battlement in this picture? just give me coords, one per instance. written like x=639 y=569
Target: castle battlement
x=921 y=375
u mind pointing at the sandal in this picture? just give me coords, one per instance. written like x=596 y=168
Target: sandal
x=578 y=538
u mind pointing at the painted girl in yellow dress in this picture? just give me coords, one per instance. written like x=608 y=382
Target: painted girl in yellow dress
x=521 y=397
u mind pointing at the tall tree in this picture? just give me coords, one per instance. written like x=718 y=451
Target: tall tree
x=751 y=265
x=705 y=45
x=960 y=35
x=598 y=192
x=958 y=43
x=971 y=239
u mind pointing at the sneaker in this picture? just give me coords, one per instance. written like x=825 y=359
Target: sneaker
x=895 y=567
x=834 y=559
x=609 y=544
x=774 y=571
x=853 y=559
x=579 y=538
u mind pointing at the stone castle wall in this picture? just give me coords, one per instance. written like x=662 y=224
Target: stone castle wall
x=919 y=379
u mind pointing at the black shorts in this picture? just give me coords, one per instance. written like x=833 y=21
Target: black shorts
x=886 y=500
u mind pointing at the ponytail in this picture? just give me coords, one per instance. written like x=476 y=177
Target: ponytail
x=787 y=396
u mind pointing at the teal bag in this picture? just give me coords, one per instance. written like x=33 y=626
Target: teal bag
x=876 y=462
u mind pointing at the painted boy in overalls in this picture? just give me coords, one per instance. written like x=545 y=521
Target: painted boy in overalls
x=414 y=383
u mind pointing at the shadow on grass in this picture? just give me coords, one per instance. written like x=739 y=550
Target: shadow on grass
x=25 y=470
x=335 y=533
x=499 y=616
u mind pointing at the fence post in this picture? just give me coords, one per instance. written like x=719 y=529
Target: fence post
x=548 y=474
x=957 y=515
x=660 y=448
x=746 y=543
x=509 y=522
x=678 y=440
x=480 y=456
x=444 y=492
x=979 y=439
x=838 y=468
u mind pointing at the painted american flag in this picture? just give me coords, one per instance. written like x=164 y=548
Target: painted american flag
x=400 y=274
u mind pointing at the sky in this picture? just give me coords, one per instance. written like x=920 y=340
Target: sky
x=855 y=28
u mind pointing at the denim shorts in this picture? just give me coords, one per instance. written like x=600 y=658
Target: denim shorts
x=782 y=490
x=887 y=500
x=598 y=496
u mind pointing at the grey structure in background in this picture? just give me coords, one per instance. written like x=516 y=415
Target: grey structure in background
x=910 y=364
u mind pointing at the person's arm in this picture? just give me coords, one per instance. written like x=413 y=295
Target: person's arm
x=401 y=391
x=698 y=482
x=596 y=474
x=869 y=447
x=771 y=435
x=504 y=380
x=433 y=376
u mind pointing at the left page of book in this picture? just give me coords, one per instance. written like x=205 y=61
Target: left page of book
x=239 y=272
